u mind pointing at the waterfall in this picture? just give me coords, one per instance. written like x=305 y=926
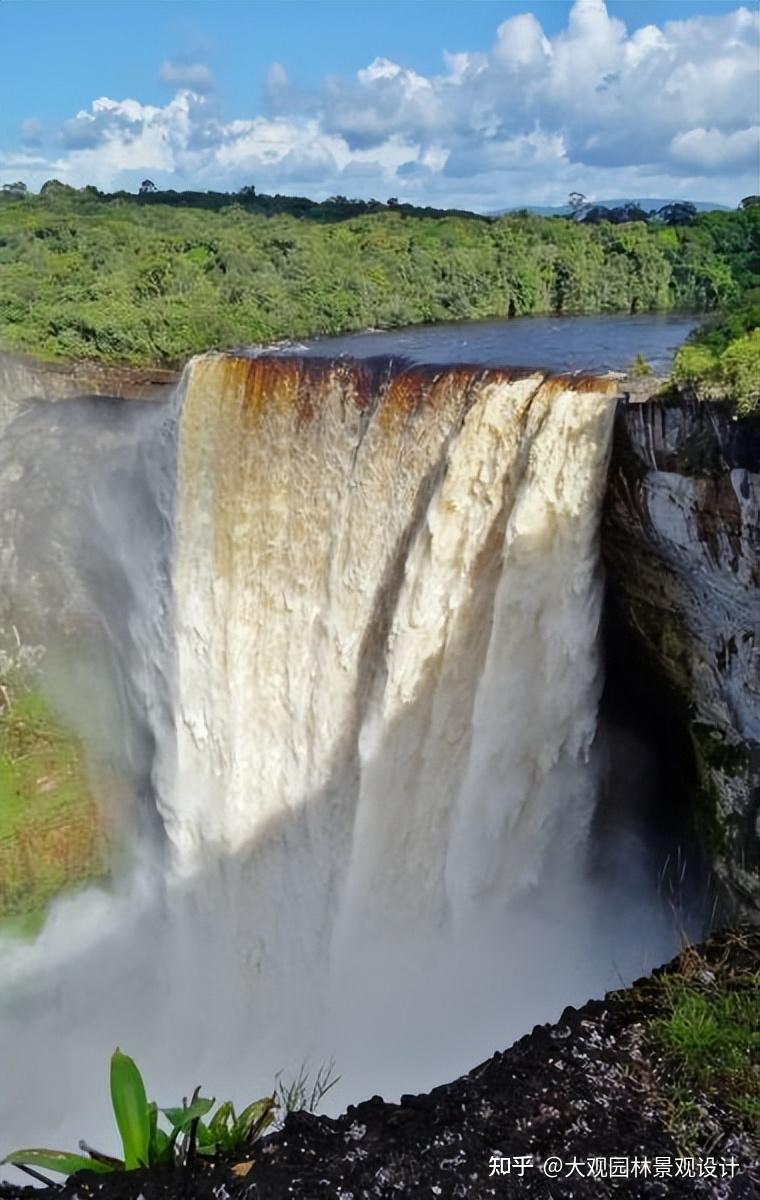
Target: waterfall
x=386 y=600
x=377 y=780
x=386 y=604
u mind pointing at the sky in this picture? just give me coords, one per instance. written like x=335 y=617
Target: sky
x=483 y=104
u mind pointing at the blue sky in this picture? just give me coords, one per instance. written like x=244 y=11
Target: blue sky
x=450 y=101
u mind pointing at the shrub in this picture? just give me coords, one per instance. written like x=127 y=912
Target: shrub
x=639 y=367
x=740 y=371
x=695 y=367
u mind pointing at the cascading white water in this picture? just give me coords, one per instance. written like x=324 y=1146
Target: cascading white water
x=377 y=785
x=386 y=609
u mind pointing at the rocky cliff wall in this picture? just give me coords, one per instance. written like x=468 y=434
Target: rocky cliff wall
x=681 y=533
x=23 y=379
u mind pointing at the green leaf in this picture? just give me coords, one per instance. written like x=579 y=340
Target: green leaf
x=161 y=1145
x=182 y=1118
x=131 y=1110
x=257 y=1116
x=57 y=1160
x=204 y=1136
x=162 y=1149
x=210 y=1150
x=222 y=1119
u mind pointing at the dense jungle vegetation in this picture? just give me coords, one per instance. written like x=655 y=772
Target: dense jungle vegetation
x=134 y=280
x=722 y=359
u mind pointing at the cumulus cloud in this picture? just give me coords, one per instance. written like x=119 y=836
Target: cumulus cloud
x=711 y=150
x=658 y=110
x=188 y=75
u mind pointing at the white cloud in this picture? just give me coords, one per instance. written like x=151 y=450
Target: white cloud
x=188 y=75
x=520 y=42
x=658 y=111
x=711 y=150
x=118 y=137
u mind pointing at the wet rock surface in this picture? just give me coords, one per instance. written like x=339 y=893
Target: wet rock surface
x=31 y=379
x=591 y=1088
x=25 y=380
x=681 y=543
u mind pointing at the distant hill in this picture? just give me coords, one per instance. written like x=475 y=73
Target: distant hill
x=646 y=203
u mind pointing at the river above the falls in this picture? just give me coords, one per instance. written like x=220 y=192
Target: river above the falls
x=596 y=344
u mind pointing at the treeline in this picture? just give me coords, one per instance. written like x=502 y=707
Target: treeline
x=144 y=282
x=325 y=212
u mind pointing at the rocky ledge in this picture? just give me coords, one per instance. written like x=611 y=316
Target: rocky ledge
x=23 y=379
x=59 y=379
x=582 y=1108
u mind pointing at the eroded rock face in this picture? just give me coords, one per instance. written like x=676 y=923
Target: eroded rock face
x=681 y=537
x=23 y=379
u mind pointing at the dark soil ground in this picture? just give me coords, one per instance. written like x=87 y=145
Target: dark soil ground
x=595 y=1086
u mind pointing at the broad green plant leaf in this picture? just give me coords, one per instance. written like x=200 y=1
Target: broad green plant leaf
x=131 y=1110
x=182 y=1118
x=57 y=1160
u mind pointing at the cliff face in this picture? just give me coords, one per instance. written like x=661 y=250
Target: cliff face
x=681 y=533
x=23 y=379
x=67 y=433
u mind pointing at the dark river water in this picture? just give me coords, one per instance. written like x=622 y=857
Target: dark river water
x=596 y=343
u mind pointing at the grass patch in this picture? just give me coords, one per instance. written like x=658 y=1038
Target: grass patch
x=51 y=832
x=709 y=1034
x=25 y=927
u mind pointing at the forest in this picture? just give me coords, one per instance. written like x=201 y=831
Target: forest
x=128 y=279
x=722 y=358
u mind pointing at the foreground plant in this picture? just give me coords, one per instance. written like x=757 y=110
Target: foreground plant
x=303 y=1093
x=144 y=1142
